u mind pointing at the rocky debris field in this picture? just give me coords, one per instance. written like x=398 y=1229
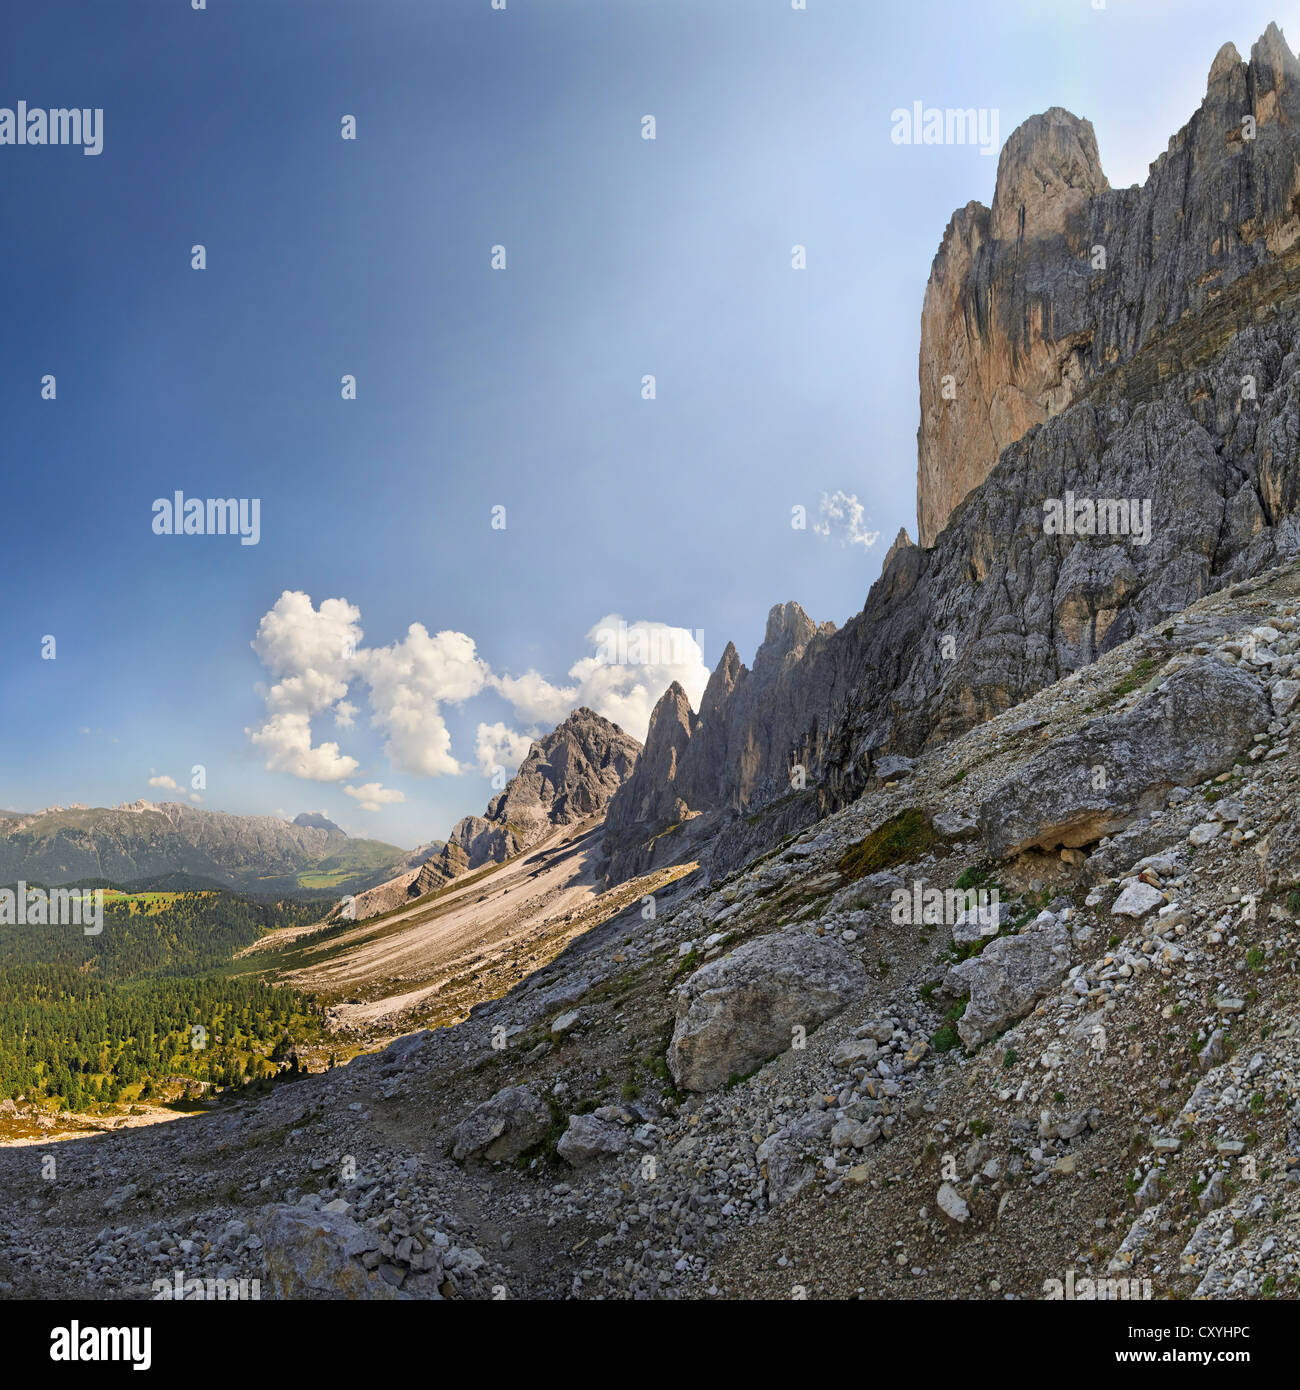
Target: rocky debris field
x=828 y=1075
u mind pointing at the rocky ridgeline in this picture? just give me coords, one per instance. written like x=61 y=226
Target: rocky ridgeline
x=1064 y=276
x=790 y=1081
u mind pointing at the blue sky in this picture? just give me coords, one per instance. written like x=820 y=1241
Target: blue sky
x=476 y=388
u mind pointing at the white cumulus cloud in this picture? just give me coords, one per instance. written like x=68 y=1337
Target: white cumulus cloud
x=164 y=781
x=631 y=666
x=312 y=653
x=285 y=739
x=318 y=665
x=408 y=681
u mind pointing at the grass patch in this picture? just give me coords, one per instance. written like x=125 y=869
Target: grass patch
x=947 y=1037
x=976 y=876
x=1138 y=676
x=903 y=837
x=687 y=964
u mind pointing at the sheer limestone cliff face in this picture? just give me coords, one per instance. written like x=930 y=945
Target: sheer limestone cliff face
x=1064 y=276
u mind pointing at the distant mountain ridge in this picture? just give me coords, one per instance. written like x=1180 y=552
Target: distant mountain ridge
x=143 y=840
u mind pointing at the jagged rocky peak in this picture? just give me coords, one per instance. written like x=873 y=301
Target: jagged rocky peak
x=1047 y=171
x=727 y=674
x=672 y=719
x=317 y=821
x=650 y=795
x=789 y=630
x=1065 y=277
x=1227 y=64
x=1273 y=63
x=567 y=777
x=902 y=541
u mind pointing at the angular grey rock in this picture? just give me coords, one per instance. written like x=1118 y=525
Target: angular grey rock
x=1281 y=868
x=1137 y=900
x=1191 y=730
x=789 y=1159
x=1008 y=978
x=953 y=1204
x=852 y=1134
x=853 y=1052
x=737 y=1012
x=955 y=825
x=893 y=768
x=1284 y=694
x=980 y=920
x=501 y=1128
x=588 y=1138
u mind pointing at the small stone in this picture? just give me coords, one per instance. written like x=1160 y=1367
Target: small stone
x=953 y=1204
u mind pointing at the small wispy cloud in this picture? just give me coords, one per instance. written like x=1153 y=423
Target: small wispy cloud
x=842 y=515
x=373 y=796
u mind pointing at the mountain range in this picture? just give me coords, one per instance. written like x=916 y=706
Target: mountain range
x=141 y=842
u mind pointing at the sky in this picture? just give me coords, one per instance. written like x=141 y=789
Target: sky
x=443 y=562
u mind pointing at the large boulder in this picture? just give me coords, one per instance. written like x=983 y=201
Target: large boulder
x=1009 y=977
x=735 y=1013
x=501 y=1128
x=317 y=1254
x=1112 y=770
